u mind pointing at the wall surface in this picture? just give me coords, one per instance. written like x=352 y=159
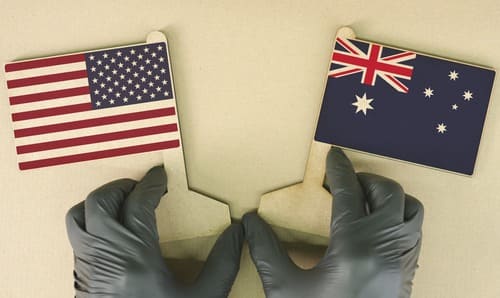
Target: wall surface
x=249 y=77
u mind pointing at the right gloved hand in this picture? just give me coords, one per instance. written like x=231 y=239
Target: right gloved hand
x=117 y=253
x=372 y=254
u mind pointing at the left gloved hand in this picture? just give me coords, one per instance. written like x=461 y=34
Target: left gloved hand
x=117 y=254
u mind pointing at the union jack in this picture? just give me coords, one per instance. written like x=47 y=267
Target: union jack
x=371 y=64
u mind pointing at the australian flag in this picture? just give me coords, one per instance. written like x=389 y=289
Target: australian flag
x=405 y=105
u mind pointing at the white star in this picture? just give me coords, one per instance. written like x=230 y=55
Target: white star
x=94 y=81
x=132 y=52
x=125 y=99
x=119 y=54
x=129 y=81
x=143 y=79
x=131 y=92
x=145 y=91
x=166 y=93
x=428 y=92
x=128 y=70
x=137 y=86
x=146 y=49
x=122 y=76
x=136 y=74
x=453 y=75
x=164 y=82
x=134 y=63
x=150 y=84
x=115 y=71
x=101 y=73
x=141 y=67
x=99 y=62
x=159 y=48
x=126 y=58
x=124 y=88
x=163 y=70
x=117 y=94
x=454 y=107
x=161 y=59
x=104 y=96
x=113 y=60
x=158 y=89
x=153 y=54
x=103 y=85
x=139 y=97
x=139 y=56
x=108 y=78
x=116 y=83
x=149 y=72
x=441 y=128
x=363 y=104
x=96 y=92
x=110 y=90
x=120 y=65
x=105 y=55
x=91 y=57
x=112 y=101
x=148 y=61
x=157 y=77
x=155 y=66
x=153 y=95
x=93 y=69
x=98 y=103
x=467 y=95
x=106 y=67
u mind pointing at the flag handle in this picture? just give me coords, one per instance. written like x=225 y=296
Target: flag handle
x=315 y=168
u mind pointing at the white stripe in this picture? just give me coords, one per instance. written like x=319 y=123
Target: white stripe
x=98 y=147
x=52 y=103
x=47 y=70
x=83 y=132
x=48 y=87
x=94 y=114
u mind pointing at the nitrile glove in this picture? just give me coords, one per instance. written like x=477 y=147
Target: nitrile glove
x=117 y=253
x=375 y=239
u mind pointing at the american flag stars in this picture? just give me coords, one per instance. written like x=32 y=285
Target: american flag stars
x=128 y=76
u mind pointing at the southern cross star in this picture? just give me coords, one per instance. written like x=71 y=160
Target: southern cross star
x=363 y=104
x=428 y=92
x=453 y=75
x=441 y=128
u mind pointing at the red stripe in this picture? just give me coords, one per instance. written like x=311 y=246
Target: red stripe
x=81 y=107
x=397 y=56
x=44 y=62
x=398 y=83
x=105 y=137
x=15 y=100
x=346 y=45
x=98 y=155
x=346 y=72
x=362 y=62
x=25 y=132
x=64 y=76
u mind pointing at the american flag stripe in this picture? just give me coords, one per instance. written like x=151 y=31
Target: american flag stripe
x=42 y=96
x=99 y=154
x=44 y=62
x=97 y=138
x=94 y=147
x=95 y=130
x=70 y=125
x=55 y=120
x=45 y=79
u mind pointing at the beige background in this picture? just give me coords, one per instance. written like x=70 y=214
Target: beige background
x=249 y=78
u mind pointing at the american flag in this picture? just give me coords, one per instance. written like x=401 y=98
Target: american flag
x=423 y=109
x=92 y=105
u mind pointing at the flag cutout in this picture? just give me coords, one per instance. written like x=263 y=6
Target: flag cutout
x=405 y=105
x=92 y=105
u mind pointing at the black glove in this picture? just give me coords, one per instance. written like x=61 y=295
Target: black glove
x=374 y=243
x=117 y=253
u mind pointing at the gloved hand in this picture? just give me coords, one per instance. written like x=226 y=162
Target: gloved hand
x=117 y=253
x=375 y=239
